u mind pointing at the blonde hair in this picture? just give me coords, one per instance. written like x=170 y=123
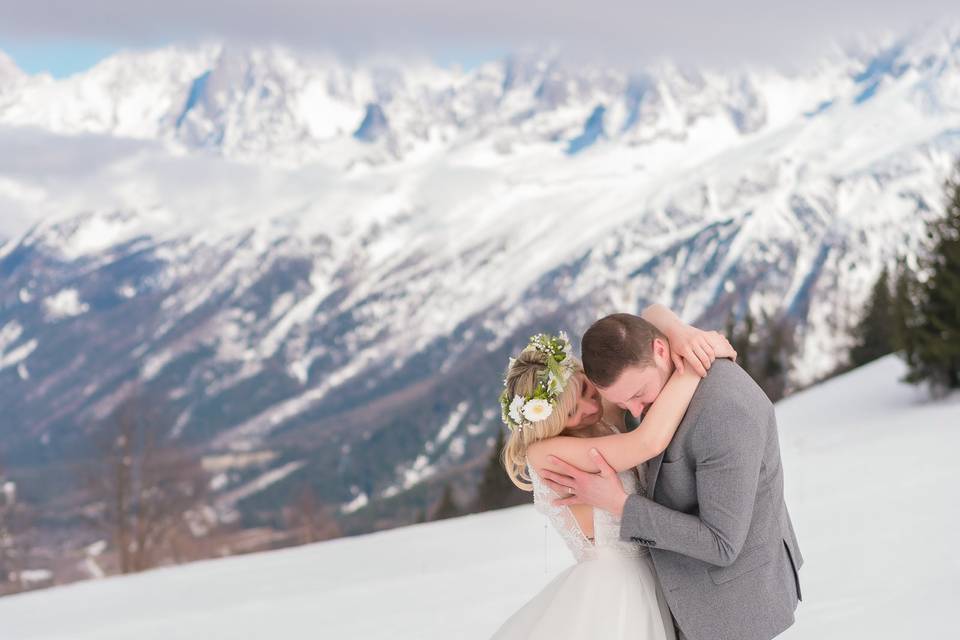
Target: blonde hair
x=522 y=378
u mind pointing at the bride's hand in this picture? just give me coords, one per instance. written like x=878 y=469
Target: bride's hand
x=689 y=345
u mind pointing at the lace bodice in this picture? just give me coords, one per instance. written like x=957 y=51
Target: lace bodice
x=606 y=526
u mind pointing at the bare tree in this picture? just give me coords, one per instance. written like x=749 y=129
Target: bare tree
x=148 y=488
x=14 y=541
x=8 y=569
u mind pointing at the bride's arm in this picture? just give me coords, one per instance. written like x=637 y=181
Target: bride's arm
x=662 y=318
x=625 y=450
x=688 y=345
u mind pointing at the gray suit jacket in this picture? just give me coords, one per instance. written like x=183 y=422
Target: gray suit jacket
x=717 y=527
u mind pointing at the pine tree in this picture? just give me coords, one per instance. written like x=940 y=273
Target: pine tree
x=772 y=372
x=496 y=490
x=730 y=330
x=936 y=337
x=447 y=507
x=764 y=352
x=875 y=334
x=904 y=311
x=742 y=343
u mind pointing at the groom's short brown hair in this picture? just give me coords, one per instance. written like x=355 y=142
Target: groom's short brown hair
x=616 y=342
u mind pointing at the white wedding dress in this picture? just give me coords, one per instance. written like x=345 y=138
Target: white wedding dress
x=610 y=593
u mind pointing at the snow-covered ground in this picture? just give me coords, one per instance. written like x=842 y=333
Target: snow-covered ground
x=871 y=480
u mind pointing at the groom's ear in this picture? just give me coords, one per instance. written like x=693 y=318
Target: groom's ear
x=661 y=351
x=660 y=348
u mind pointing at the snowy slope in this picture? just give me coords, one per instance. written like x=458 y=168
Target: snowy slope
x=871 y=480
x=324 y=260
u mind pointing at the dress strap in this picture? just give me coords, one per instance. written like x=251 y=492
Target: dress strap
x=612 y=428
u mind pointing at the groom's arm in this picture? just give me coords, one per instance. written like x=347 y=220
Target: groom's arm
x=727 y=443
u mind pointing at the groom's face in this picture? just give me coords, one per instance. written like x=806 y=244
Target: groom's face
x=639 y=385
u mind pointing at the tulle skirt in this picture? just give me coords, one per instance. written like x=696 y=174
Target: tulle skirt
x=610 y=597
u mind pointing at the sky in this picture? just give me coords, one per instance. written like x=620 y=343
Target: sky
x=59 y=58
x=65 y=36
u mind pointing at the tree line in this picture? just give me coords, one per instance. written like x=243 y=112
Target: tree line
x=146 y=502
x=155 y=504
x=916 y=312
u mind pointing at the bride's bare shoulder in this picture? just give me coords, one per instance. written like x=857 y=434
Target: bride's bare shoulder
x=539 y=452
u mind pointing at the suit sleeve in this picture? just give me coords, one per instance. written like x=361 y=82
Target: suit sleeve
x=728 y=443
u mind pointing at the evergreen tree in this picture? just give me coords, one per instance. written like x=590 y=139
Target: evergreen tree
x=742 y=343
x=730 y=330
x=496 y=490
x=936 y=336
x=772 y=372
x=447 y=507
x=764 y=352
x=874 y=335
x=904 y=312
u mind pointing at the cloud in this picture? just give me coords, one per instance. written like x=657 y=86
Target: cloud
x=696 y=30
x=47 y=176
x=37 y=165
x=31 y=152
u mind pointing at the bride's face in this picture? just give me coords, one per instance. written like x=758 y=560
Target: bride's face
x=588 y=410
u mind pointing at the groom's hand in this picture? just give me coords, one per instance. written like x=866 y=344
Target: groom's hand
x=601 y=490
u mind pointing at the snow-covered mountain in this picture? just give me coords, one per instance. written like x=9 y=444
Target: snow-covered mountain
x=331 y=261
x=869 y=472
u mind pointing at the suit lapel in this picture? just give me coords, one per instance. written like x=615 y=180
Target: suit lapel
x=653 y=467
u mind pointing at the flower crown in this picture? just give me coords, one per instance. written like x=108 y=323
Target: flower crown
x=522 y=411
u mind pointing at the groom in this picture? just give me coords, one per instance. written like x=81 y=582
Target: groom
x=713 y=515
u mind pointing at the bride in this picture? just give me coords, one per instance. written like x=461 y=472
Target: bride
x=552 y=409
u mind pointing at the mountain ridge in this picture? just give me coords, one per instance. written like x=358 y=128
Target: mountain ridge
x=230 y=245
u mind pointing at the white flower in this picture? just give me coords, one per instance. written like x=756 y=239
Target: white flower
x=536 y=410
x=516 y=407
